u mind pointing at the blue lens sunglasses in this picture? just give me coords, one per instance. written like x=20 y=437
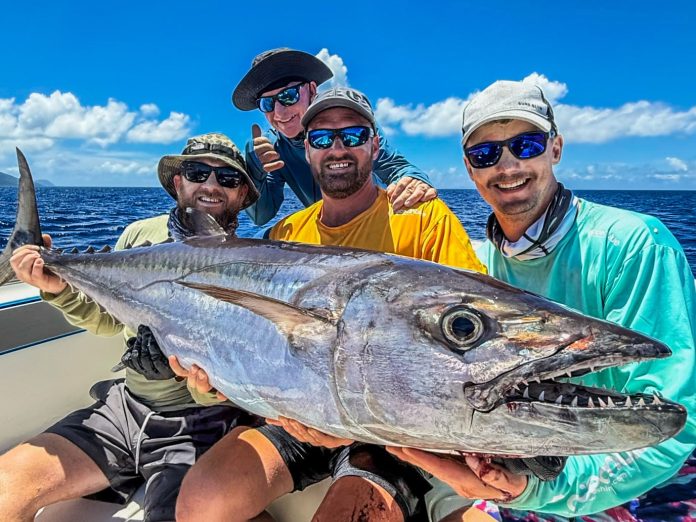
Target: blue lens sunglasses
x=287 y=97
x=523 y=146
x=350 y=137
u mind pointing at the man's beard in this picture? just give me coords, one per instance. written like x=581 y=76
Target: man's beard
x=340 y=186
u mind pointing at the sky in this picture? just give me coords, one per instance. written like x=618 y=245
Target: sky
x=95 y=93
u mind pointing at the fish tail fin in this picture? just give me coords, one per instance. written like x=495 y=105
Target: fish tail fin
x=27 y=230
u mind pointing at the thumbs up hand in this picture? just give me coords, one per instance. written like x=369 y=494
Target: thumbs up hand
x=264 y=150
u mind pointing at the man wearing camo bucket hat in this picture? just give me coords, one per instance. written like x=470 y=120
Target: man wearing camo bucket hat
x=97 y=450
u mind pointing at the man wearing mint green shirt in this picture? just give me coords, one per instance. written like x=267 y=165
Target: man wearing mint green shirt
x=606 y=262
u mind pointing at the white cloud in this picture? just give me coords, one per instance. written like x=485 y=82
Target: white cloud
x=339 y=69
x=149 y=109
x=174 y=128
x=580 y=124
x=439 y=119
x=61 y=116
x=677 y=164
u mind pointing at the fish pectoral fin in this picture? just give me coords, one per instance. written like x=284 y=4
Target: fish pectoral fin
x=203 y=224
x=284 y=315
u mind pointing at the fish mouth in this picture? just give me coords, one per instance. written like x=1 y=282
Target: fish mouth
x=545 y=381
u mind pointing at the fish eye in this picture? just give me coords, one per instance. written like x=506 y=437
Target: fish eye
x=461 y=327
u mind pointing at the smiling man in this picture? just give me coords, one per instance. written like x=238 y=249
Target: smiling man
x=147 y=428
x=281 y=84
x=606 y=262
x=246 y=471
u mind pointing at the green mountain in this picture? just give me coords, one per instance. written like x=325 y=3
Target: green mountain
x=6 y=180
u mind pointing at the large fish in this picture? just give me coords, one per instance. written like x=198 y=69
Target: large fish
x=373 y=347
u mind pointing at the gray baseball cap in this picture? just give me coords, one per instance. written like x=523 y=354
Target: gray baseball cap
x=340 y=97
x=504 y=100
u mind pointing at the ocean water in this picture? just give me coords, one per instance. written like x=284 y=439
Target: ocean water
x=83 y=216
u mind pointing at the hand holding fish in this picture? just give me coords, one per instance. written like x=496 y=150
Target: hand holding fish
x=306 y=434
x=29 y=268
x=196 y=377
x=409 y=191
x=471 y=477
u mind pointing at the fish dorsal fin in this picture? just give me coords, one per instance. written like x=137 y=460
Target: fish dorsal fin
x=284 y=315
x=202 y=223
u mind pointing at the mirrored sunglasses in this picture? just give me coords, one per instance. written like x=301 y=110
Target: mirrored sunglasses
x=350 y=137
x=523 y=146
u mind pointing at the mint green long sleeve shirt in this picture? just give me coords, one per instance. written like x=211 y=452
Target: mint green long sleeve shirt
x=627 y=268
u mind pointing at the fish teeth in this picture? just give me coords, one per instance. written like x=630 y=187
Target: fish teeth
x=559 y=399
x=537 y=379
x=590 y=404
x=628 y=403
x=641 y=402
x=515 y=387
x=569 y=373
x=610 y=402
x=601 y=402
x=574 y=402
x=592 y=367
x=525 y=394
x=541 y=396
x=656 y=400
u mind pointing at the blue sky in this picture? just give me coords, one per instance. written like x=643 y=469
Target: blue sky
x=94 y=93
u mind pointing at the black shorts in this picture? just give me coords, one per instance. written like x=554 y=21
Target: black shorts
x=309 y=464
x=133 y=444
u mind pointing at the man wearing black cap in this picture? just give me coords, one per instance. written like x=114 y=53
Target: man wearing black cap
x=282 y=83
x=146 y=429
x=244 y=472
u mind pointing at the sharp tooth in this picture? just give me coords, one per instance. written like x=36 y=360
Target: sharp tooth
x=628 y=403
x=515 y=387
x=641 y=402
x=656 y=400
x=610 y=402
x=559 y=399
x=601 y=402
x=604 y=386
x=569 y=373
x=526 y=393
x=537 y=379
x=590 y=404
x=574 y=402
x=592 y=367
x=541 y=396
x=524 y=382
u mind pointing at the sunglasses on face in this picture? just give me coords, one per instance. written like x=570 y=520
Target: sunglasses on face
x=523 y=146
x=195 y=172
x=287 y=97
x=350 y=137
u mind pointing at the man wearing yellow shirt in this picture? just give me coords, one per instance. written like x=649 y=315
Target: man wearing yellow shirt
x=246 y=471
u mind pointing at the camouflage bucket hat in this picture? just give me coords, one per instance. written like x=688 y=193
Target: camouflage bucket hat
x=215 y=146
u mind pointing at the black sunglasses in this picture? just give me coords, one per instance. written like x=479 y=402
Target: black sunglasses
x=350 y=137
x=287 y=97
x=196 y=172
x=523 y=146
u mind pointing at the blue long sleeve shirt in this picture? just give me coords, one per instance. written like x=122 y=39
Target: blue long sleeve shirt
x=389 y=167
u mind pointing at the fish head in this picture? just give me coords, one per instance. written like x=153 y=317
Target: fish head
x=468 y=362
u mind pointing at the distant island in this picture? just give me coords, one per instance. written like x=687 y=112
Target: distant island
x=7 y=180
